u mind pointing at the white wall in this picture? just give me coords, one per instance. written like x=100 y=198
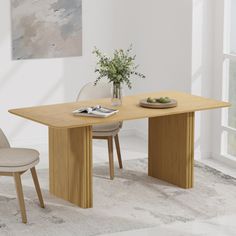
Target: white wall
x=161 y=33
x=160 y=30
x=202 y=72
x=38 y=82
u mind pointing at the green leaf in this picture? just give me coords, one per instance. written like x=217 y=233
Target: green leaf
x=120 y=68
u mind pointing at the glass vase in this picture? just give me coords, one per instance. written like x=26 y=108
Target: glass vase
x=116 y=99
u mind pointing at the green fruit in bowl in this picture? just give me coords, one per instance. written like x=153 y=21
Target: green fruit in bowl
x=163 y=100
x=151 y=100
x=160 y=100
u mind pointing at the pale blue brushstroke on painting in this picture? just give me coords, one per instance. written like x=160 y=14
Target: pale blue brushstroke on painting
x=46 y=29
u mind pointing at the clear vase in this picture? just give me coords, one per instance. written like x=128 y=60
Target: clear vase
x=116 y=99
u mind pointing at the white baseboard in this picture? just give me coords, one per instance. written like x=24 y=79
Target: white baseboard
x=134 y=132
x=224 y=160
x=41 y=144
x=36 y=141
x=200 y=155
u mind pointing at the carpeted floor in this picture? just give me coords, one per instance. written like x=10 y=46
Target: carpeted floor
x=131 y=201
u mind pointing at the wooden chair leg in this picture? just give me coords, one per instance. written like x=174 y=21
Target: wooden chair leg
x=111 y=161
x=20 y=196
x=118 y=151
x=37 y=186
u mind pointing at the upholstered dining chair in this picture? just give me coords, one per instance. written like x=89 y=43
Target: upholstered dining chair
x=16 y=161
x=107 y=131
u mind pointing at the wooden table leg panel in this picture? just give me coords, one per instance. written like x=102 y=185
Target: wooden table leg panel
x=70 y=163
x=58 y=163
x=171 y=149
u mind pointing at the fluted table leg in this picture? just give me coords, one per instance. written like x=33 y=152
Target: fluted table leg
x=70 y=165
x=171 y=149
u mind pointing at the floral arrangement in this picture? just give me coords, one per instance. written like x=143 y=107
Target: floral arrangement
x=118 y=69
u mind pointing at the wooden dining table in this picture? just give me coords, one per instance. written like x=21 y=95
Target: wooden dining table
x=170 y=140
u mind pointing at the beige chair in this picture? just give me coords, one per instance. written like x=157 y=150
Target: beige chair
x=108 y=131
x=16 y=161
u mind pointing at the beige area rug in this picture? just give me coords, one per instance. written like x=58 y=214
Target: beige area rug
x=131 y=201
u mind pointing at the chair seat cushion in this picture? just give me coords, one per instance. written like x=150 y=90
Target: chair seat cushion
x=110 y=127
x=17 y=157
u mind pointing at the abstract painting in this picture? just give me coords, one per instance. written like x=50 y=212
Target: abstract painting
x=46 y=28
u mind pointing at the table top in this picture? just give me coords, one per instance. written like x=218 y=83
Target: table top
x=60 y=115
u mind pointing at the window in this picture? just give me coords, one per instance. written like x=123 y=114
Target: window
x=229 y=80
x=232 y=20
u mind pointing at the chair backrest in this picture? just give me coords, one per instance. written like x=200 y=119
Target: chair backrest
x=89 y=91
x=3 y=140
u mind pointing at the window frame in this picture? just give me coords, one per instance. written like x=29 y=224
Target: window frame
x=227 y=57
x=222 y=56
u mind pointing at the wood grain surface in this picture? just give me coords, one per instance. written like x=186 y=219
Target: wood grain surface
x=70 y=165
x=171 y=149
x=60 y=115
